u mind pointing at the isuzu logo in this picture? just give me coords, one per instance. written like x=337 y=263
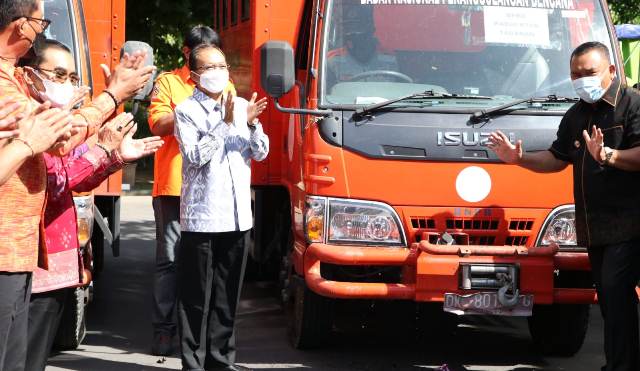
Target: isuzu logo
x=467 y=138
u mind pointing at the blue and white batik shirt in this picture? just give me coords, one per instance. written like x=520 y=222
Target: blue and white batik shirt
x=216 y=164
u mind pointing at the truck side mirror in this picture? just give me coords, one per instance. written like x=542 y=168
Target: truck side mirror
x=130 y=47
x=277 y=68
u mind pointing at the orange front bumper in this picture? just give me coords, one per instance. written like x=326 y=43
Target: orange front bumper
x=430 y=271
x=354 y=255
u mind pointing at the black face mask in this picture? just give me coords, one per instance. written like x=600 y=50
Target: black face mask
x=362 y=47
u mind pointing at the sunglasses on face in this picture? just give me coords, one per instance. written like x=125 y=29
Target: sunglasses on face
x=61 y=75
x=213 y=67
x=42 y=22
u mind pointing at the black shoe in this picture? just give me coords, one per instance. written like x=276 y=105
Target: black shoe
x=161 y=345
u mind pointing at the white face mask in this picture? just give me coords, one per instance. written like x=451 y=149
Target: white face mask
x=589 y=88
x=58 y=94
x=214 y=81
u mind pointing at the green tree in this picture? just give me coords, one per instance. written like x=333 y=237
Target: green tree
x=625 y=11
x=161 y=23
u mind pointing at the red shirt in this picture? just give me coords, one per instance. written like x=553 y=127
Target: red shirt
x=80 y=171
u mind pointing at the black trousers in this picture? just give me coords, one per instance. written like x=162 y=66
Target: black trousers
x=15 y=290
x=166 y=210
x=210 y=272
x=45 y=313
x=616 y=271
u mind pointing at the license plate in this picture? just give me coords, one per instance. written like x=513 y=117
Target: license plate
x=486 y=303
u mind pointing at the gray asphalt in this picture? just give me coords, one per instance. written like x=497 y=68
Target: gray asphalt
x=119 y=328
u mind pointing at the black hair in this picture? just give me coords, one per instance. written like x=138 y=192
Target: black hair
x=10 y=10
x=199 y=35
x=195 y=52
x=47 y=44
x=585 y=48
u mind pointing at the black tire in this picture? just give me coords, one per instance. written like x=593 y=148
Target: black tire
x=434 y=323
x=310 y=317
x=97 y=250
x=286 y=274
x=559 y=330
x=72 y=329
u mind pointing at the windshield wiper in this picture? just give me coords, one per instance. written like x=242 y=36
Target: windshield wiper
x=483 y=115
x=363 y=111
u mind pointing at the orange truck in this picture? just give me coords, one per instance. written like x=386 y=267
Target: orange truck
x=95 y=32
x=380 y=185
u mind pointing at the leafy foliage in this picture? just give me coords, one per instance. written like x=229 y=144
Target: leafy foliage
x=161 y=23
x=625 y=11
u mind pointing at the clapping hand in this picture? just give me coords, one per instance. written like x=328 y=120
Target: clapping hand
x=228 y=108
x=45 y=128
x=504 y=149
x=112 y=133
x=129 y=77
x=76 y=126
x=10 y=114
x=78 y=97
x=133 y=149
x=254 y=109
x=595 y=143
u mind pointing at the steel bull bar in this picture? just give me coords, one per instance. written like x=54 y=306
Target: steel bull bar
x=430 y=270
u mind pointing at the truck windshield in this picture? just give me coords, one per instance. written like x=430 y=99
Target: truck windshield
x=61 y=29
x=374 y=50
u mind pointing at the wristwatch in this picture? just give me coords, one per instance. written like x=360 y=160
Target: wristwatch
x=252 y=125
x=608 y=153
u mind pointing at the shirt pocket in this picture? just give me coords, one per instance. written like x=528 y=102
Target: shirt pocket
x=575 y=148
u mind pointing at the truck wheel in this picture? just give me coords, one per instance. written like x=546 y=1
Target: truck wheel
x=284 y=281
x=310 y=317
x=97 y=250
x=286 y=273
x=72 y=327
x=559 y=329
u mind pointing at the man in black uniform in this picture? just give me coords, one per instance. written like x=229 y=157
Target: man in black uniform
x=600 y=137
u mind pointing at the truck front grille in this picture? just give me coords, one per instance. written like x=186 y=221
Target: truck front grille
x=488 y=227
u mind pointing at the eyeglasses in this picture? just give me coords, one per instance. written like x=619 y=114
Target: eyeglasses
x=42 y=22
x=61 y=75
x=213 y=67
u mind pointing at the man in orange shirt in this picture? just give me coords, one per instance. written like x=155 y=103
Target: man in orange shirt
x=170 y=89
x=22 y=188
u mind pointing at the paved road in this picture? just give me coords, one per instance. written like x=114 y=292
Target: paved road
x=119 y=328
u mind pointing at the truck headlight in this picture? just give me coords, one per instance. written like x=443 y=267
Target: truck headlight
x=84 y=213
x=314 y=216
x=560 y=227
x=352 y=221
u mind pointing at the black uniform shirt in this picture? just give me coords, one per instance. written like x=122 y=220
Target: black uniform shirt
x=607 y=199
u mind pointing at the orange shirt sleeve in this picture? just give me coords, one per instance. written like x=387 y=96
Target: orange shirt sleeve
x=230 y=88
x=95 y=114
x=160 y=99
x=163 y=98
x=11 y=88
